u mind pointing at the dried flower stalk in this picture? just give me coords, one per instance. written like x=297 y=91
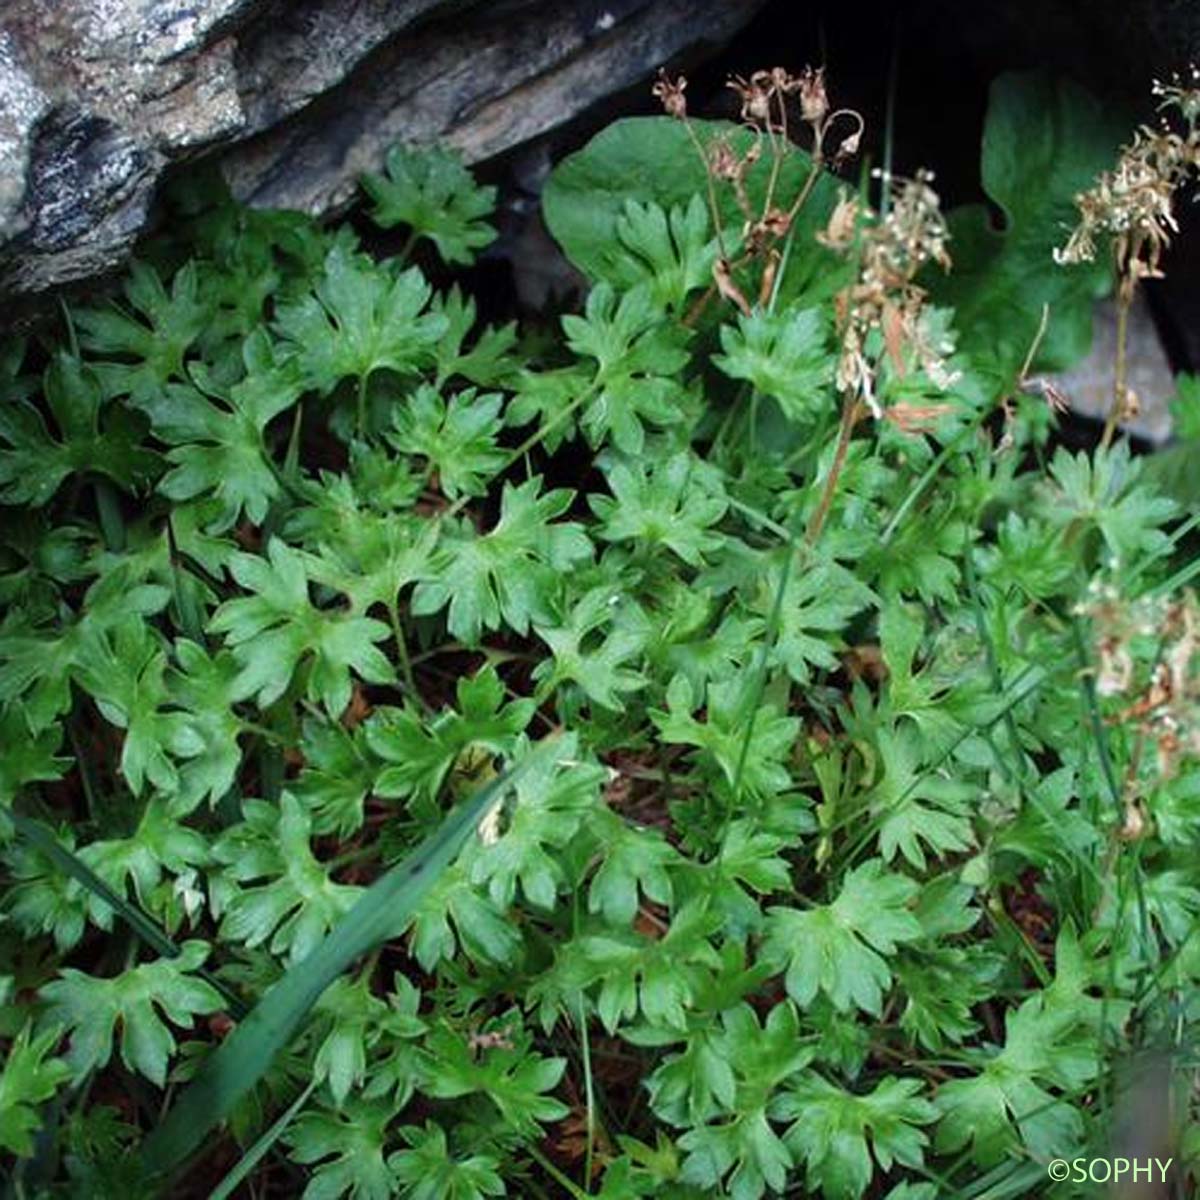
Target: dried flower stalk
x=1133 y=207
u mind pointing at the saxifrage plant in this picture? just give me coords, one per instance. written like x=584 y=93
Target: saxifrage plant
x=822 y=739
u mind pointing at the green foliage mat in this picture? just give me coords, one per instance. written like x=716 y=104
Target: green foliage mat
x=443 y=761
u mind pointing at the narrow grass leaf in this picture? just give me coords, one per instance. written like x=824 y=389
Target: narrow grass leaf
x=41 y=837
x=259 y=1150
x=138 y=921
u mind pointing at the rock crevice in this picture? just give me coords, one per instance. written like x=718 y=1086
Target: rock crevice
x=98 y=98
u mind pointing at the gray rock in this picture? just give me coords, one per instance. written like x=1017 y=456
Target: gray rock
x=98 y=98
x=1089 y=385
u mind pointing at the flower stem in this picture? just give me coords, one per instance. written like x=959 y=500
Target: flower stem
x=406 y=670
x=1124 y=302
x=362 y=403
x=850 y=411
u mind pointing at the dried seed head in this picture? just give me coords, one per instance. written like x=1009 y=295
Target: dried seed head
x=723 y=278
x=776 y=222
x=722 y=161
x=755 y=95
x=1132 y=205
x=814 y=103
x=916 y=418
x=1049 y=391
x=849 y=146
x=1181 y=96
x=884 y=296
x=671 y=94
x=843 y=222
x=1134 y=825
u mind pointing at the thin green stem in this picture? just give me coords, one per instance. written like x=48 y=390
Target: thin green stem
x=572 y=1188
x=537 y=436
x=407 y=249
x=713 y=208
x=362 y=403
x=809 y=183
x=406 y=670
x=927 y=477
x=269 y=735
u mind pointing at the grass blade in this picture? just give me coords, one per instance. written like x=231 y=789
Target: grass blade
x=259 y=1150
x=244 y=1057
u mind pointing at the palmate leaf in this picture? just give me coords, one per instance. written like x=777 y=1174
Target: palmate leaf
x=29 y=1077
x=550 y=398
x=839 y=949
x=722 y=734
x=1049 y=1049
x=36 y=661
x=418 y=753
x=276 y=627
x=28 y=757
x=549 y=808
x=361 y=318
x=38 y=560
x=918 y=809
x=204 y=686
x=634 y=860
x=91 y=1009
x=454 y=915
x=159 y=845
x=748 y=865
x=638 y=357
x=219 y=450
x=365 y=542
x=339 y=772
x=372 y=557
x=605 y=668
x=833 y=1129
x=742 y=1142
x=785 y=354
x=157 y=338
x=513 y=1077
x=660 y=979
x=429 y=1171
x=348 y=1147
x=456 y=437
x=673 y=252
x=33 y=463
x=272 y=886
x=1105 y=492
x=123 y=669
x=510 y=574
x=41 y=898
x=429 y=190
x=57 y=891
x=489 y=362
x=343 y=511
x=817 y=605
x=353 y=1021
x=588 y=193
x=675 y=505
